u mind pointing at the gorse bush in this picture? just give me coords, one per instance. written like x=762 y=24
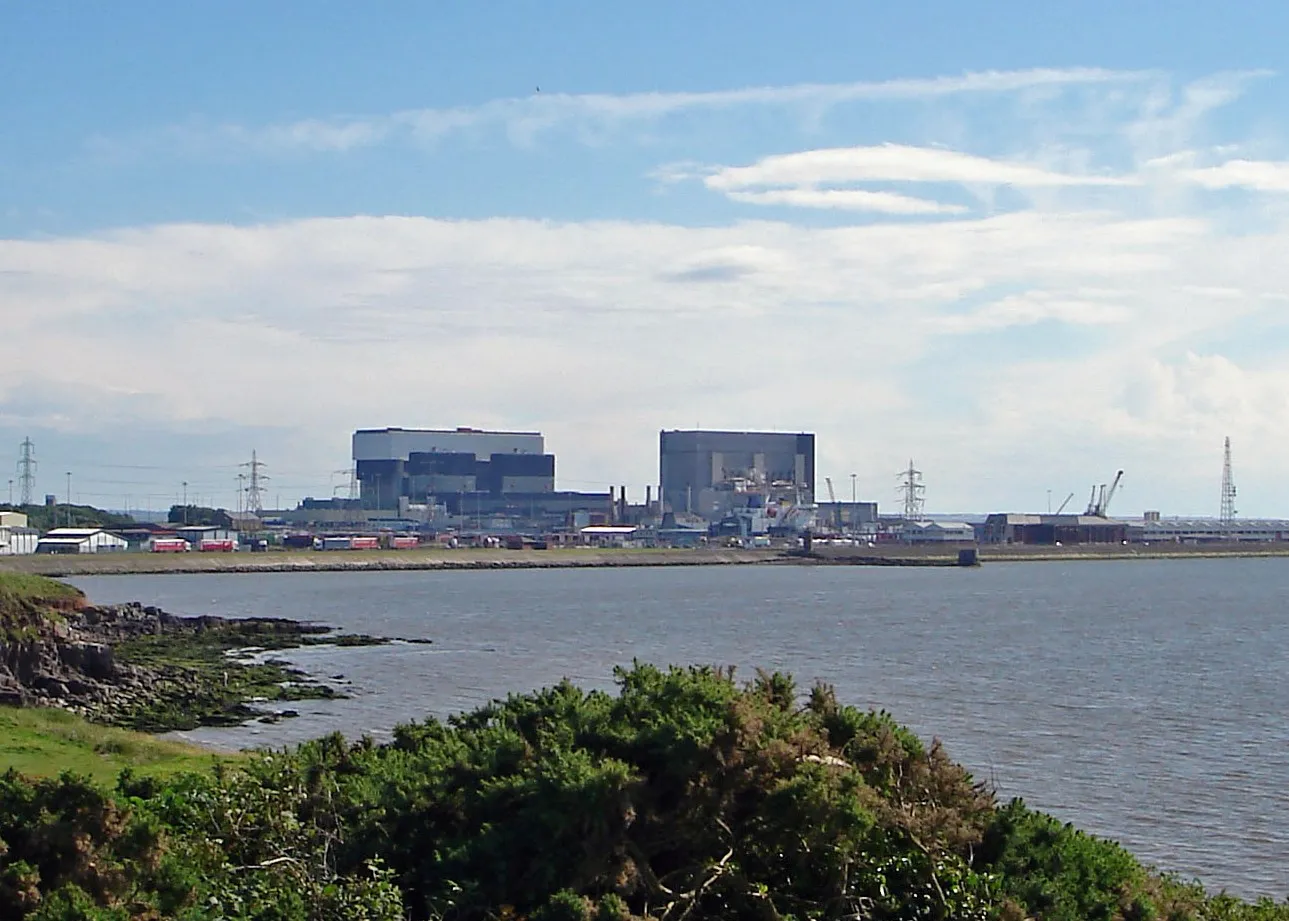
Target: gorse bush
x=686 y=795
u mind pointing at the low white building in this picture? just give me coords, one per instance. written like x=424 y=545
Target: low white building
x=80 y=540
x=15 y=537
x=939 y=532
x=611 y=536
x=196 y=533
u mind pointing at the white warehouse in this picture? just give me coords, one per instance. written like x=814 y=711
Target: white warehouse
x=80 y=540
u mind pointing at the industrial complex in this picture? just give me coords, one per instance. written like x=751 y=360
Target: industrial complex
x=454 y=486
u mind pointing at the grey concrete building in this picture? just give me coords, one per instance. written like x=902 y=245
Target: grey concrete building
x=416 y=464
x=697 y=467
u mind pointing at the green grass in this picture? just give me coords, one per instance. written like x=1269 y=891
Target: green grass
x=22 y=590
x=44 y=742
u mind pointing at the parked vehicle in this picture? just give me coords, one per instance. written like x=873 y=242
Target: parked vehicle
x=170 y=545
x=217 y=546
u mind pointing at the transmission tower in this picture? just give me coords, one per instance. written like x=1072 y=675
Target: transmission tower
x=255 y=491
x=1228 y=487
x=351 y=477
x=914 y=492
x=27 y=472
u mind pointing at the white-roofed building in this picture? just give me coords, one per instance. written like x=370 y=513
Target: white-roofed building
x=80 y=540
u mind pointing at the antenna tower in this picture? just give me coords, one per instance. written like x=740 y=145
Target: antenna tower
x=27 y=472
x=255 y=491
x=1228 y=487
x=914 y=492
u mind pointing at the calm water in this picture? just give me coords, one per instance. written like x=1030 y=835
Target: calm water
x=1144 y=701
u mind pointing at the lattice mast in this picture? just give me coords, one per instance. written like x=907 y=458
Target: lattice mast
x=27 y=472
x=914 y=492
x=1227 y=514
x=255 y=490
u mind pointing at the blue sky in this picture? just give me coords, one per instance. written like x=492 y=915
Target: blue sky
x=1025 y=244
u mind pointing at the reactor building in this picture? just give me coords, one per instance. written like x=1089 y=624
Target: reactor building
x=467 y=472
x=418 y=464
x=701 y=472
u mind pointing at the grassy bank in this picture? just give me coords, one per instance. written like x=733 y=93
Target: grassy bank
x=44 y=742
x=20 y=591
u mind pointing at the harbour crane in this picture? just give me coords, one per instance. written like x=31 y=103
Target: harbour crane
x=1099 y=501
x=1065 y=503
x=832 y=498
x=1114 y=487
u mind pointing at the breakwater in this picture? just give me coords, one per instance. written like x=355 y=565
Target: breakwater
x=582 y=558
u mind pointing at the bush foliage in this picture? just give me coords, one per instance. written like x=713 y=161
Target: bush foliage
x=685 y=796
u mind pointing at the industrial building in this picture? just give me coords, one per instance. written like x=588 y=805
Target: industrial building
x=703 y=472
x=416 y=464
x=16 y=539
x=1152 y=528
x=80 y=540
x=467 y=477
x=1052 y=529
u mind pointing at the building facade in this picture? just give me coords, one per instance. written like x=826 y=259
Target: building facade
x=80 y=540
x=700 y=469
x=396 y=465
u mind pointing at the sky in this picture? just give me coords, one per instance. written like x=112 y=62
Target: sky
x=1024 y=245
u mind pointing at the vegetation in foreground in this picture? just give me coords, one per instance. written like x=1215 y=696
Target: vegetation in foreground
x=685 y=796
x=45 y=742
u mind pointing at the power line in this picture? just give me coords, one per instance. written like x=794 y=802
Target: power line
x=914 y=492
x=255 y=491
x=27 y=472
x=1227 y=515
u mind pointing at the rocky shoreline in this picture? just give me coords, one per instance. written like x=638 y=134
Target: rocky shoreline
x=142 y=668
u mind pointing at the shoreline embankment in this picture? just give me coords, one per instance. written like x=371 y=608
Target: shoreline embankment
x=468 y=559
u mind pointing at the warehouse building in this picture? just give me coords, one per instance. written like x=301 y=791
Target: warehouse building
x=1152 y=528
x=16 y=538
x=700 y=470
x=1008 y=528
x=80 y=540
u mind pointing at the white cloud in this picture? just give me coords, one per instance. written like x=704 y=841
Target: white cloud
x=846 y=200
x=1030 y=308
x=602 y=333
x=1257 y=175
x=893 y=163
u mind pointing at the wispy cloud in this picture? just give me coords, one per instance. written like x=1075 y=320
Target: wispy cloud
x=524 y=118
x=1030 y=308
x=846 y=200
x=893 y=163
x=1257 y=175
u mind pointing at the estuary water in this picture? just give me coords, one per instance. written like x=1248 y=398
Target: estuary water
x=1145 y=701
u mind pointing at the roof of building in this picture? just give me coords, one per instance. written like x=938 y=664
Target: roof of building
x=1213 y=524
x=726 y=432
x=610 y=529
x=75 y=533
x=1082 y=521
x=462 y=430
